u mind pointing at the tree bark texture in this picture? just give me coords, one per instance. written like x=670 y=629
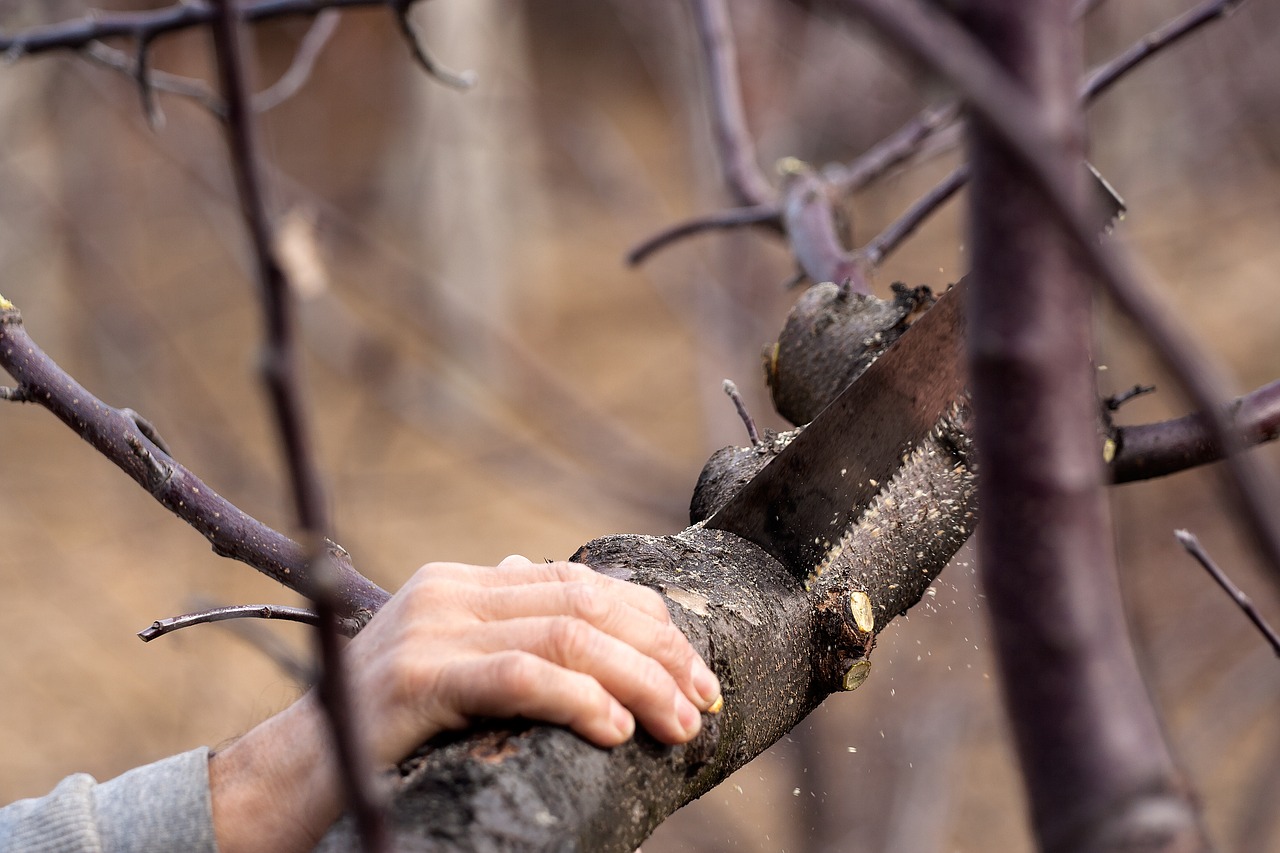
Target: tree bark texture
x=779 y=643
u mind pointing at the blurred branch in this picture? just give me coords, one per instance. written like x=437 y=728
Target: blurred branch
x=737 y=150
x=280 y=367
x=1145 y=451
x=452 y=79
x=304 y=62
x=769 y=215
x=160 y=627
x=1017 y=120
x=1195 y=549
x=115 y=434
x=914 y=216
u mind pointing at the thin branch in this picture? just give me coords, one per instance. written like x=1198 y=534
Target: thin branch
x=1195 y=549
x=734 y=144
x=160 y=81
x=914 y=216
x=281 y=369
x=895 y=148
x=938 y=43
x=809 y=213
x=461 y=80
x=740 y=405
x=767 y=215
x=304 y=62
x=1115 y=401
x=266 y=642
x=1102 y=79
x=116 y=434
x=1145 y=451
x=160 y=627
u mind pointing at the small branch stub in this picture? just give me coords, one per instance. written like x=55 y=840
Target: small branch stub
x=856 y=674
x=863 y=616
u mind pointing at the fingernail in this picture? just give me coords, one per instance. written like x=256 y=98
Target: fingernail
x=717 y=706
x=706 y=683
x=687 y=714
x=623 y=722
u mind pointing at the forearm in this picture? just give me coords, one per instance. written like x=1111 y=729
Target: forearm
x=275 y=788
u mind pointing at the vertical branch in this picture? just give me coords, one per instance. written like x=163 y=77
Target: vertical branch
x=734 y=145
x=1099 y=775
x=281 y=369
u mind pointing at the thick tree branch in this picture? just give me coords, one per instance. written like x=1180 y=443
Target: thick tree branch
x=116 y=435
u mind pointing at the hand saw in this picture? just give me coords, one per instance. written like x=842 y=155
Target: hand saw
x=799 y=506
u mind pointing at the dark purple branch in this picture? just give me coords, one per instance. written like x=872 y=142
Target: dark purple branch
x=1088 y=739
x=116 y=434
x=736 y=149
x=1153 y=450
x=160 y=627
x=809 y=213
x=281 y=373
x=914 y=216
x=767 y=215
x=740 y=405
x=895 y=148
x=1115 y=401
x=148 y=24
x=1195 y=549
x=1101 y=79
x=938 y=43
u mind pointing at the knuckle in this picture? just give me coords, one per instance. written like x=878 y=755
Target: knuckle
x=516 y=673
x=656 y=603
x=571 y=638
x=588 y=602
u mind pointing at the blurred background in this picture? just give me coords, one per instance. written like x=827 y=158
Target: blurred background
x=488 y=377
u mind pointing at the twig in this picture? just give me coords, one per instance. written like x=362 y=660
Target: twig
x=160 y=627
x=1101 y=79
x=304 y=62
x=737 y=151
x=116 y=434
x=161 y=81
x=895 y=148
x=266 y=642
x=938 y=43
x=1115 y=401
x=810 y=217
x=1195 y=549
x=768 y=215
x=749 y=422
x=1145 y=451
x=914 y=216
x=280 y=369
x=454 y=79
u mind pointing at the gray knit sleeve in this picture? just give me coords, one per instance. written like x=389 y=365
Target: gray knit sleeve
x=158 y=808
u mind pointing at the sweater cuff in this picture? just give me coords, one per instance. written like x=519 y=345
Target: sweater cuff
x=158 y=808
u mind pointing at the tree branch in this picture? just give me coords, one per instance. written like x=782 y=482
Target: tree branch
x=281 y=373
x=116 y=435
x=746 y=183
x=1196 y=550
x=160 y=627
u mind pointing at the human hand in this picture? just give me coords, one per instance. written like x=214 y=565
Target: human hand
x=555 y=642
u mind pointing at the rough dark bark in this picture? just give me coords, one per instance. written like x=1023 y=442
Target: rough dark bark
x=778 y=645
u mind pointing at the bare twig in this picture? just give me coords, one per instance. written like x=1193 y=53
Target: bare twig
x=938 y=43
x=280 y=367
x=737 y=151
x=454 y=79
x=160 y=627
x=1195 y=549
x=266 y=641
x=116 y=434
x=1144 y=451
x=740 y=405
x=160 y=81
x=895 y=148
x=1102 y=78
x=1115 y=401
x=304 y=61
x=766 y=215
x=913 y=217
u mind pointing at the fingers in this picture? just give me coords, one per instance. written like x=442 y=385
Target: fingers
x=632 y=677
x=595 y=605
x=517 y=683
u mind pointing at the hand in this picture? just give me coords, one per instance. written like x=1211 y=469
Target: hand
x=550 y=641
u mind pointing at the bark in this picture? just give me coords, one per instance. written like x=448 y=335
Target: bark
x=779 y=643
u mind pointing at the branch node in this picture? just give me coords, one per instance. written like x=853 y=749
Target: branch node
x=17 y=394
x=160 y=627
x=158 y=473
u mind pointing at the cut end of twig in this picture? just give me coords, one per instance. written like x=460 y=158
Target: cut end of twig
x=6 y=305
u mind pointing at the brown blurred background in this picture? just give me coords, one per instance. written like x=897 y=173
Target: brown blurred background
x=489 y=378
